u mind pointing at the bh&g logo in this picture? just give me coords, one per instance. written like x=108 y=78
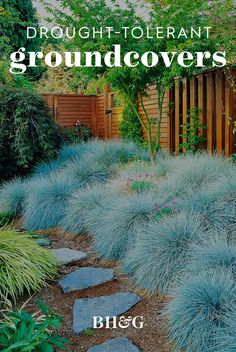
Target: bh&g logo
x=109 y=322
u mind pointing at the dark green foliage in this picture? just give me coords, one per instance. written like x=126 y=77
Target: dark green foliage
x=130 y=126
x=16 y=16
x=23 y=332
x=27 y=132
x=6 y=218
x=192 y=138
x=140 y=186
x=77 y=134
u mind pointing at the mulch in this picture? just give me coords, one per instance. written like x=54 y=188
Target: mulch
x=152 y=338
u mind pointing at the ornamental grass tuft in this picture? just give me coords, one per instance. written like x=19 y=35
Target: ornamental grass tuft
x=47 y=200
x=202 y=312
x=162 y=251
x=13 y=195
x=25 y=266
x=116 y=231
x=215 y=253
x=78 y=207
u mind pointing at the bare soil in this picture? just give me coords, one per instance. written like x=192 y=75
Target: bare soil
x=153 y=336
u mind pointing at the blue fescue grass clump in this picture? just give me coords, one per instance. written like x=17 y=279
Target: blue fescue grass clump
x=12 y=196
x=215 y=253
x=47 y=200
x=192 y=173
x=225 y=188
x=46 y=167
x=162 y=252
x=117 y=230
x=113 y=152
x=202 y=311
x=78 y=207
x=206 y=204
x=226 y=338
x=201 y=168
x=89 y=172
x=70 y=151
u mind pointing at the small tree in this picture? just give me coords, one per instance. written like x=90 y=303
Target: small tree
x=135 y=81
x=15 y=16
x=27 y=132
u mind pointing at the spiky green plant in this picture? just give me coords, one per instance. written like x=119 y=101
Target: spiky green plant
x=24 y=266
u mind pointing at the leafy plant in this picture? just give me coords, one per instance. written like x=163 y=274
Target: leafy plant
x=6 y=218
x=25 y=266
x=202 y=312
x=77 y=134
x=192 y=138
x=25 y=117
x=141 y=186
x=88 y=332
x=23 y=332
x=130 y=126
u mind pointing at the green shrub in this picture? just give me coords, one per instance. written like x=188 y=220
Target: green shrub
x=130 y=126
x=6 y=218
x=27 y=132
x=24 y=266
x=23 y=332
x=77 y=134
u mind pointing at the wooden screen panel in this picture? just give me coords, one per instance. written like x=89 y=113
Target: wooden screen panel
x=210 y=111
x=200 y=103
x=184 y=107
x=100 y=116
x=72 y=108
x=219 y=112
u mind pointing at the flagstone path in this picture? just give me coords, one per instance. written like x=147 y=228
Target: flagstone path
x=85 y=309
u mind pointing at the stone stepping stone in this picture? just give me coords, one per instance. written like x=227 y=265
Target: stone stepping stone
x=86 y=308
x=67 y=255
x=120 y=344
x=84 y=278
x=43 y=242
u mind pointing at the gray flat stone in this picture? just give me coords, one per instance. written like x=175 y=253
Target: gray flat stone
x=84 y=278
x=43 y=242
x=120 y=344
x=86 y=308
x=67 y=255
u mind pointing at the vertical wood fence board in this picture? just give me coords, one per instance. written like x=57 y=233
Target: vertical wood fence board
x=185 y=107
x=219 y=113
x=177 y=115
x=210 y=102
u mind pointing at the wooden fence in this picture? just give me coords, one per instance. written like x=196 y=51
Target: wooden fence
x=211 y=93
